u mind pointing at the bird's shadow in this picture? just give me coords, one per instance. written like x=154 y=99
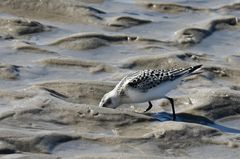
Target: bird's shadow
x=189 y=118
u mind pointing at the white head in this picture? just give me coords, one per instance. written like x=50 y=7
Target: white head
x=110 y=100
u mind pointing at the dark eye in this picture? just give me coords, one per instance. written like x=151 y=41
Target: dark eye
x=108 y=101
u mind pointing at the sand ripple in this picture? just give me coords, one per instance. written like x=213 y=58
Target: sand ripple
x=58 y=58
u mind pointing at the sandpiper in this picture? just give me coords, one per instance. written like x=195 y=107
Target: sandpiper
x=146 y=85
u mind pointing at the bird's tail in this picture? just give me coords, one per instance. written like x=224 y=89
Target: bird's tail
x=193 y=68
x=186 y=71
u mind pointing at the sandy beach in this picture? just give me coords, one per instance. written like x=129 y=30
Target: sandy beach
x=58 y=58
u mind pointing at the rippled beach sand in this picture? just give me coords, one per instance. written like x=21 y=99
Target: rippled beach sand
x=58 y=58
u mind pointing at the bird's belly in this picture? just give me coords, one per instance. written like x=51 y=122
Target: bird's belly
x=158 y=92
x=153 y=93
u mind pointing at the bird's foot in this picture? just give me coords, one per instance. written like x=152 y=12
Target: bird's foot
x=173 y=109
x=149 y=107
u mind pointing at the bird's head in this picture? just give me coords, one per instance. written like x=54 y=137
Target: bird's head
x=110 y=100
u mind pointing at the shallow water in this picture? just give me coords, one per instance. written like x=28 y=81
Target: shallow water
x=58 y=58
x=232 y=122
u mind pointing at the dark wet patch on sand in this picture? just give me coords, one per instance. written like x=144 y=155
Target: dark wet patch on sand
x=226 y=73
x=126 y=22
x=18 y=27
x=190 y=36
x=172 y=8
x=9 y=72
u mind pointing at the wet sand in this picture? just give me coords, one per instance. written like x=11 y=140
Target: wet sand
x=58 y=58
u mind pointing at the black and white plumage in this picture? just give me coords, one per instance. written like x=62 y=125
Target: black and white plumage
x=146 y=85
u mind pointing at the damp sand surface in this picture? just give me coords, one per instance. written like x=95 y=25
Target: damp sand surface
x=58 y=58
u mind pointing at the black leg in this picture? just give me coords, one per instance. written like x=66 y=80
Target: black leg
x=149 y=107
x=173 y=110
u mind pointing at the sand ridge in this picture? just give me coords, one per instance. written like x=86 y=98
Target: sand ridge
x=58 y=58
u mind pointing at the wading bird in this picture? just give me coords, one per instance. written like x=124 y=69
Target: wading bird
x=146 y=85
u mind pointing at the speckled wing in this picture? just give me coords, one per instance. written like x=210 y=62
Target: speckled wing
x=148 y=79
